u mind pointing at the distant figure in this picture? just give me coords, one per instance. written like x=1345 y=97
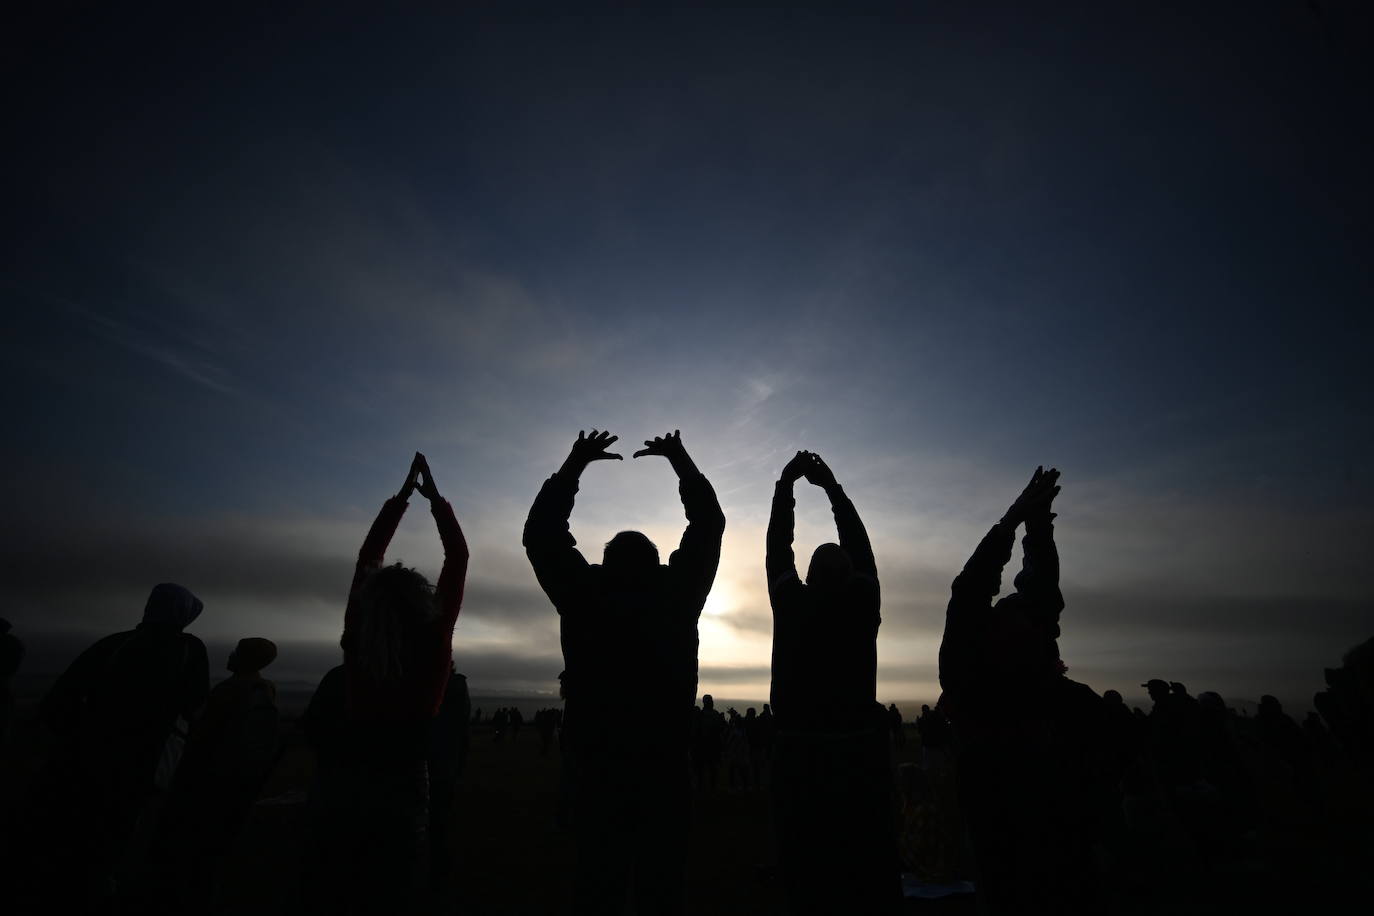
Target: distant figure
x=1033 y=775
x=1283 y=739
x=445 y=760
x=11 y=655
x=1175 y=740
x=894 y=722
x=517 y=721
x=112 y=714
x=370 y=721
x=629 y=621
x=832 y=784
x=545 y=722
x=499 y=721
x=708 y=742
x=737 y=755
x=229 y=753
x=935 y=738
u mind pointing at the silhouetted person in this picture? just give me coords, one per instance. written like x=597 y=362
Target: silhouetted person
x=1175 y=740
x=737 y=755
x=1283 y=738
x=517 y=721
x=935 y=738
x=230 y=751
x=499 y=721
x=894 y=721
x=445 y=760
x=1222 y=766
x=832 y=785
x=629 y=621
x=545 y=722
x=1033 y=779
x=708 y=740
x=112 y=712
x=11 y=655
x=370 y=719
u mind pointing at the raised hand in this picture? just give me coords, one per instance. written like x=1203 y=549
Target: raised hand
x=669 y=446
x=819 y=473
x=409 y=486
x=1036 y=498
x=588 y=449
x=428 y=489
x=795 y=469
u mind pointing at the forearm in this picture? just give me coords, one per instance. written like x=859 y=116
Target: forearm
x=1041 y=554
x=683 y=465
x=373 y=552
x=983 y=571
x=572 y=468
x=449 y=591
x=853 y=535
x=780 y=559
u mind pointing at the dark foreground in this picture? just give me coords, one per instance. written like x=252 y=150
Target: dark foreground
x=1311 y=854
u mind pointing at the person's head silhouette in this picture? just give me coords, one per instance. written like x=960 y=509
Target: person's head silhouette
x=630 y=555
x=830 y=567
x=1157 y=688
x=251 y=655
x=394 y=606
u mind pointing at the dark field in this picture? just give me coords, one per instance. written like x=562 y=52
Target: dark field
x=1306 y=854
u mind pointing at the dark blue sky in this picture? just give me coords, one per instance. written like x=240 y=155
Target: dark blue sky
x=252 y=265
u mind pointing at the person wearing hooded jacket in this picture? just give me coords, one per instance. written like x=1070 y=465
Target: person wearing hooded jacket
x=832 y=781
x=111 y=713
x=1035 y=773
x=628 y=621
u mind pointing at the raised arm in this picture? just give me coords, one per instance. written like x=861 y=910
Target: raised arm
x=448 y=593
x=1038 y=580
x=549 y=543
x=372 y=554
x=698 y=554
x=981 y=578
x=780 y=562
x=853 y=535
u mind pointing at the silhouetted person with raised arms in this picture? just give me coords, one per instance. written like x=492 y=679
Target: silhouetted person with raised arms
x=1034 y=773
x=370 y=720
x=832 y=785
x=629 y=633
x=112 y=712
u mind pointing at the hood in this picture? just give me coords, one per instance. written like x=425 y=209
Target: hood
x=172 y=604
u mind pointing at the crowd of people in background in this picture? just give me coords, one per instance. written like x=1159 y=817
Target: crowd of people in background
x=1048 y=795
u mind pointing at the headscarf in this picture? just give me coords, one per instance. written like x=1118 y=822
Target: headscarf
x=172 y=604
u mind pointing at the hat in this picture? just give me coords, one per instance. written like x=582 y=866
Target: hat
x=252 y=654
x=1156 y=682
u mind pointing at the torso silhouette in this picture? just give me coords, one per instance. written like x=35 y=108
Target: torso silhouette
x=629 y=642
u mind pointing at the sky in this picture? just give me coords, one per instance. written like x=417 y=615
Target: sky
x=253 y=264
